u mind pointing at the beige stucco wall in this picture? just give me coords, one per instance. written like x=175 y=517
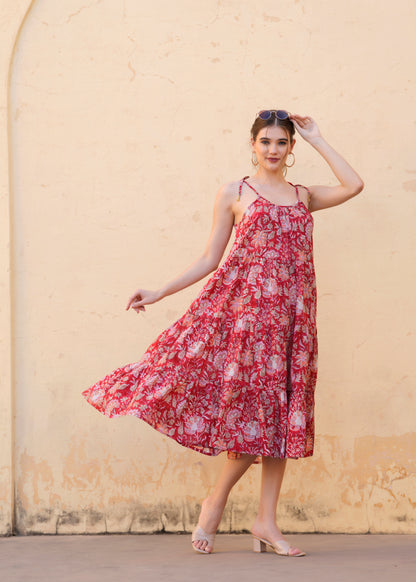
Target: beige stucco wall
x=120 y=120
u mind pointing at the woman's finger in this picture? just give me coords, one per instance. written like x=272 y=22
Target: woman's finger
x=298 y=119
x=133 y=298
x=301 y=118
x=130 y=302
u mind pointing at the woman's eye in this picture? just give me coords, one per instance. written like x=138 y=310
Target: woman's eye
x=280 y=143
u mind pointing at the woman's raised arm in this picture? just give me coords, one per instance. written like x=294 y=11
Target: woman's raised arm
x=350 y=182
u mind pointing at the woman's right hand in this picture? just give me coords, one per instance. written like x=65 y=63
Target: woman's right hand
x=142 y=297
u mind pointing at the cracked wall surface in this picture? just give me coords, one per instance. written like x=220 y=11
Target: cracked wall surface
x=120 y=122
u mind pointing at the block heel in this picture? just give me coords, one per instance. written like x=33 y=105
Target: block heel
x=259 y=545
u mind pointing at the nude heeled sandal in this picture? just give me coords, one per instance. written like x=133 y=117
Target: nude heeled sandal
x=281 y=547
x=199 y=535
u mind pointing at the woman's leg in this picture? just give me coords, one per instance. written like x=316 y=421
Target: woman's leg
x=213 y=506
x=271 y=481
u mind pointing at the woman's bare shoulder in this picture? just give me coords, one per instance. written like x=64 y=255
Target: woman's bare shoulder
x=229 y=190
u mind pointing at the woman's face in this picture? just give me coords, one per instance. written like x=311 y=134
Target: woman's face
x=272 y=147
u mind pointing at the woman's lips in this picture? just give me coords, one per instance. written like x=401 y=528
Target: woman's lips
x=273 y=159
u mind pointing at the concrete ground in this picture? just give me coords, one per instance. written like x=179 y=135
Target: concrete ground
x=124 y=558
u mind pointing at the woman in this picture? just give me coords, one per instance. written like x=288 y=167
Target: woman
x=237 y=371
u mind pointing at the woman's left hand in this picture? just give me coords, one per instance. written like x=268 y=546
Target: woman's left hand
x=306 y=126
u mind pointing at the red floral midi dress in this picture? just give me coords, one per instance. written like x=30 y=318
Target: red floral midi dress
x=237 y=372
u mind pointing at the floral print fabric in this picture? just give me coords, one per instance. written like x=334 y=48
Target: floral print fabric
x=237 y=371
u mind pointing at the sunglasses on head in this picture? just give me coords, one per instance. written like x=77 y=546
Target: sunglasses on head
x=266 y=114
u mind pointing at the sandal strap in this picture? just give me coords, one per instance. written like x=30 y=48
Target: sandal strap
x=201 y=536
x=283 y=546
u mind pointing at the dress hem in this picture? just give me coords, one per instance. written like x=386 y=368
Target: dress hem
x=204 y=450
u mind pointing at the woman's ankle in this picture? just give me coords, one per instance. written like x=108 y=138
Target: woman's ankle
x=210 y=515
x=265 y=519
x=266 y=527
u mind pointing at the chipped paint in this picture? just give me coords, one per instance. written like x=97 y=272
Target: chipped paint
x=366 y=496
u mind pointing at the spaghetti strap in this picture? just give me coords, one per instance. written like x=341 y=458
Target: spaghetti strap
x=307 y=190
x=241 y=185
x=297 y=191
x=250 y=186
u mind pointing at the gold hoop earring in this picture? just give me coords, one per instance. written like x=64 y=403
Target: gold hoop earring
x=291 y=153
x=254 y=162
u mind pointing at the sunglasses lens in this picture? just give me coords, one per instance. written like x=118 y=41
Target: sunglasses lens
x=265 y=114
x=281 y=114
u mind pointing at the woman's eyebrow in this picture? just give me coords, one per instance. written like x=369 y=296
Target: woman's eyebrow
x=279 y=139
